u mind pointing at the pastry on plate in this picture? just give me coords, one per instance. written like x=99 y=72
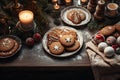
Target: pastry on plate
x=74 y=47
x=56 y=48
x=67 y=40
x=6 y=44
x=9 y=45
x=12 y=51
x=76 y=16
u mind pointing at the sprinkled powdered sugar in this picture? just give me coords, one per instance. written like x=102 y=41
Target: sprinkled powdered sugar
x=56 y=47
x=68 y=39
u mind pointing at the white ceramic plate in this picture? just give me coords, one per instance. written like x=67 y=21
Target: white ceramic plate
x=80 y=8
x=65 y=54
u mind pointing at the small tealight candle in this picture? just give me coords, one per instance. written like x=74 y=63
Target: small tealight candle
x=83 y=1
x=26 y=17
x=56 y=6
x=68 y=1
x=54 y=1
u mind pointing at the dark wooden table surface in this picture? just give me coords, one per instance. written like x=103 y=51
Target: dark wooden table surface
x=37 y=57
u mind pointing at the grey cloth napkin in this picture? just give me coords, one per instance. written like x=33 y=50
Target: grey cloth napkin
x=103 y=68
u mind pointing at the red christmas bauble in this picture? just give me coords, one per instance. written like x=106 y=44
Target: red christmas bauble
x=99 y=38
x=37 y=37
x=30 y=41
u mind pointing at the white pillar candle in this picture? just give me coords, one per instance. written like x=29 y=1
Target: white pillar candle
x=26 y=17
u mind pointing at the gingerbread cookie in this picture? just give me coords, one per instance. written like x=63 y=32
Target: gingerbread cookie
x=56 y=48
x=52 y=37
x=6 y=44
x=68 y=32
x=67 y=40
x=57 y=31
x=108 y=30
x=74 y=47
x=73 y=33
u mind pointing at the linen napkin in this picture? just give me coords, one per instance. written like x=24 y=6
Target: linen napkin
x=103 y=68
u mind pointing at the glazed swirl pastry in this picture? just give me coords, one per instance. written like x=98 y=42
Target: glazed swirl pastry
x=6 y=44
x=9 y=45
x=10 y=52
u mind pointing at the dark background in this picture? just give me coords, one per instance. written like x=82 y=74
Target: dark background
x=44 y=74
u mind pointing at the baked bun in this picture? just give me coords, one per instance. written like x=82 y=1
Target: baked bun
x=76 y=16
x=108 y=30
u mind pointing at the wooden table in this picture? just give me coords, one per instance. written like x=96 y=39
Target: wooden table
x=37 y=57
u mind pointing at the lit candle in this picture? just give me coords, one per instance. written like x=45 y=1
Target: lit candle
x=68 y=1
x=26 y=17
x=26 y=20
x=84 y=1
x=56 y=7
x=54 y=1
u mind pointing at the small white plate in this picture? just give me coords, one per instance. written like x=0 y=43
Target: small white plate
x=65 y=54
x=80 y=8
